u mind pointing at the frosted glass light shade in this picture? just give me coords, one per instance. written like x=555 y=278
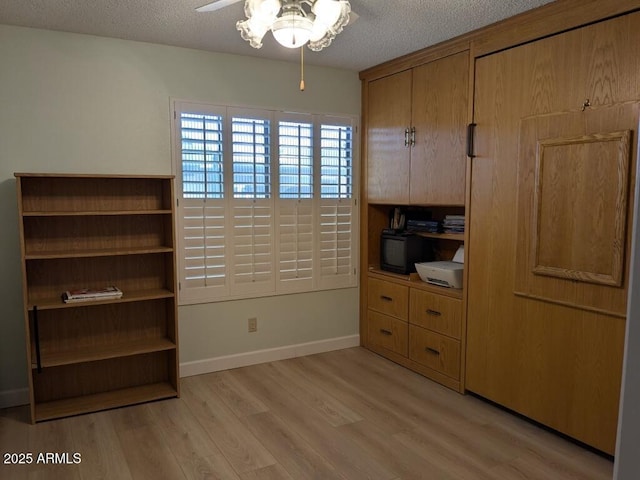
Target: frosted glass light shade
x=331 y=18
x=292 y=30
x=260 y=15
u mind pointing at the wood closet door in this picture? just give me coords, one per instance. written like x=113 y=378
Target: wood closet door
x=388 y=115
x=555 y=360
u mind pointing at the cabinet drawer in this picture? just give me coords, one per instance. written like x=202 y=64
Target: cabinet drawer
x=436 y=312
x=389 y=298
x=434 y=351
x=388 y=332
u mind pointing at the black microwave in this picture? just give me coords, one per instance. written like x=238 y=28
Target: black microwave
x=399 y=252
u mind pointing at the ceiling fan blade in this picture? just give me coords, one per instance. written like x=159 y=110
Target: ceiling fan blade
x=217 y=5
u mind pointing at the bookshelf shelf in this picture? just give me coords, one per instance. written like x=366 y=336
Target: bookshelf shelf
x=94 y=231
x=53 y=303
x=102 y=401
x=443 y=236
x=102 y=352
x=107 y=252
x=93 y=213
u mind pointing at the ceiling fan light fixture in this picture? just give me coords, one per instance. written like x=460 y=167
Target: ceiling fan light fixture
x=293 y=26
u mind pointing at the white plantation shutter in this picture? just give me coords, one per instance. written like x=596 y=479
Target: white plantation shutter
x=201 y=210
x=252 y=246
x=338 y=211
x=296 y=245
x=203 y=271
x=337 y=243
x=266 y=202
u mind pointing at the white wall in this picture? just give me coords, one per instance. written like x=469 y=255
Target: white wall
x=83 y=104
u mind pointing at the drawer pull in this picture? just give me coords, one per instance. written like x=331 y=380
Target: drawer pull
x=435 y=313
x=432 y=350
x=385 y=298
x=385 y=332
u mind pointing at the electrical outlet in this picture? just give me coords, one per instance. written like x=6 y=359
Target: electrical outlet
x=253 y=325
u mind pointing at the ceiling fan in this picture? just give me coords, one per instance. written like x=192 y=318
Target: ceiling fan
x=293 y=23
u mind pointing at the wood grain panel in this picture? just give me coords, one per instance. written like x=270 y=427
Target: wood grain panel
x=574 y=237
x=389 y=114
x=78 y=193
x=50 y=278
x=387 y=332
x=388 y=298
x=439 y=116
x=435 y=351
x=546 y=361
x=585 y=206
x=60 y=235
x=85 y=379
x=435 y=312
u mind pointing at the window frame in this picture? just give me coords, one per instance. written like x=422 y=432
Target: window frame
x=189 y=294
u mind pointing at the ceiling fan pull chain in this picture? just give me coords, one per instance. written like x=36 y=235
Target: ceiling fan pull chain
x=302 y=68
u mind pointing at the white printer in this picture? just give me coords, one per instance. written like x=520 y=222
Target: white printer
x=443 y=273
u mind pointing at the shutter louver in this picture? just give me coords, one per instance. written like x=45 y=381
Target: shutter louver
x=203 y=242
x=295 y=236
x=252 y=246
x=337 y=244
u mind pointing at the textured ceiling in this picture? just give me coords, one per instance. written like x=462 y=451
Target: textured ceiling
x=384 y=30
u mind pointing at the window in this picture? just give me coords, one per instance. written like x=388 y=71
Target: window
x=295 y=159
x=266 y=202
x=201 y=155
x=251 y=157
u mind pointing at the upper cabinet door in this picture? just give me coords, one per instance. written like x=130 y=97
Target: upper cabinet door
x=439 y=114
x=388 y=116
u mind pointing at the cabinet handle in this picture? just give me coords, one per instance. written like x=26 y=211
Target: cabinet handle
x=385 y=332
x=406 y=137
x=36 y=334
x=385 y=298
x=435 y=313
x=470 y=131
x=413 y=136
x=432 y=350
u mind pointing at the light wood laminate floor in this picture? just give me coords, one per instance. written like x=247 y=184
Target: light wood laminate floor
x=348 y=414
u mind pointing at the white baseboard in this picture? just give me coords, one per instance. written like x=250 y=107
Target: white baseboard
x=227 y=362
x=14 y=398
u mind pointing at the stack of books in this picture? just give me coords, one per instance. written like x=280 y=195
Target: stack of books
x=429 y=226
x=91 y=294
x=453 y=224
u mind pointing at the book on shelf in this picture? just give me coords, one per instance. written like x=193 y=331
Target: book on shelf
x=87 y=294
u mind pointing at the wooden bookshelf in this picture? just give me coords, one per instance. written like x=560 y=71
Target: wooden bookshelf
x=93 y=231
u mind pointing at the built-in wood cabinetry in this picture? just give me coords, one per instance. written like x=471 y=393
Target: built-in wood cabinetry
x=552 y=191
x=548 y=205
x=89 y=231
x=416 y=324
x=416 y=132
x=415 y=158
